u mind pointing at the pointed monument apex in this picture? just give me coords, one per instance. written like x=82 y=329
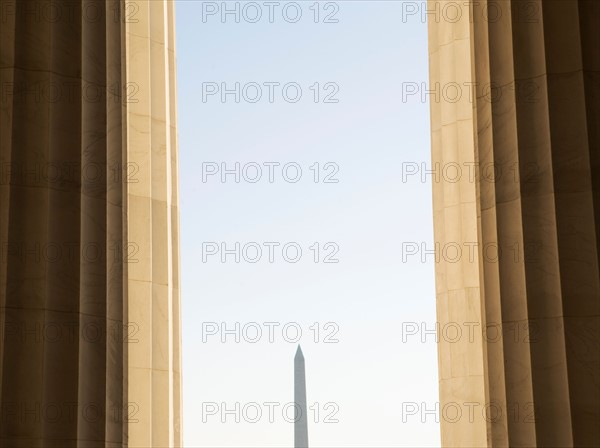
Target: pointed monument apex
x=301 y=420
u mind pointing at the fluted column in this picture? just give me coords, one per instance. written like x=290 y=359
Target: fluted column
x=152 y=225
x=89 y=295
x=527 y=121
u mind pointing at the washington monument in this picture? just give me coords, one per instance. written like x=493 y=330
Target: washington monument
x=300 y=422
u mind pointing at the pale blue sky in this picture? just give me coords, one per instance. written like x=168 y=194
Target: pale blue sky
x=367 y=215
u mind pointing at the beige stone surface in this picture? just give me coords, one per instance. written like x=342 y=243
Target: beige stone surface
x=543 y=292
x=90 y=335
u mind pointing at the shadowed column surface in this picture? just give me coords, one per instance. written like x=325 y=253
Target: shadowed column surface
x=525 y=214
x=89 y=275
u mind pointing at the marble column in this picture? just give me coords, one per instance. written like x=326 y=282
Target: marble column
x=89 y=275
x=524 y=132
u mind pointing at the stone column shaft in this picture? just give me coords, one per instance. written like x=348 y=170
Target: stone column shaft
x=528 y=74
x=89 y=274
